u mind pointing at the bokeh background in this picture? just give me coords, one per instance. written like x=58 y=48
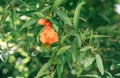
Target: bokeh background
x=22 y=54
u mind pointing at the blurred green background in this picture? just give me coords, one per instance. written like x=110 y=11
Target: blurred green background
x=21 y=52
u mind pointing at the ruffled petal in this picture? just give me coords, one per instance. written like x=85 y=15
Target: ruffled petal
x=48 y=36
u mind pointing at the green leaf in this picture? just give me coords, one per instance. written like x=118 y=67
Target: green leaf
x=30 y=22
x=13 y=16
x=99 y=63
x=105 y=18
x=44 y=67
x=91 y=36
x=88 y=61
x=55 y=27
x=69 y=60
x=45 y=9
x=63 y=49
x=23 y=3
x=77 y=14
x=59 y=70
x=64 y=17
x=56 y=4
x=109 y=74
x=100 y=36
x=74 y=49
x=83 y=19
x=63 y=39
x=39 y=14
x=84 y=49
x=90 y=76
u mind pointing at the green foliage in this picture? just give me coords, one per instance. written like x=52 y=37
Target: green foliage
x=63 y=49
x=30 y=22
x=99 y=63
x=88 y=46
x=77 y=14
x=56 y=4
x=42 y=70
x=64 y=17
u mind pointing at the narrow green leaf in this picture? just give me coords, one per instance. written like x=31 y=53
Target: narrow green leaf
x=23 y=3
x=55 y=27
x=100 y=36
x=42 y=70
x=77 y=14
x=63 y=49
x=109 y=74
x=91 y=37
x=56 y=4
x=39 y=14
x=64 y=17
x=55 y=24
x=13 y=18
x=90 y=76
x=45 y=8
x=105 y=18
x=30 y=22
x=69 y=60
x=63 y=39
x=59 y=70
x=74 y=49
x=83 y=19
x=99 y=63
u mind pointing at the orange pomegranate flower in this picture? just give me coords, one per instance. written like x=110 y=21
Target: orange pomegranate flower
x=48 y=36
